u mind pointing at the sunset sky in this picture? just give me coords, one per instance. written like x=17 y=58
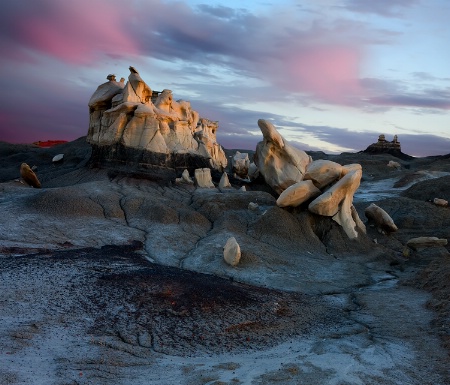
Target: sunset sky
x=330 y=74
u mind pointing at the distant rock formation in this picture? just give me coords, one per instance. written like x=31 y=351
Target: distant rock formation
x=383 y=146
x=133 y=127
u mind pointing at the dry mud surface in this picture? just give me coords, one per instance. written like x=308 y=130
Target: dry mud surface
x=109 y=279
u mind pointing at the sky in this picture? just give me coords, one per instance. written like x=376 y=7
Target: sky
x=331 y=75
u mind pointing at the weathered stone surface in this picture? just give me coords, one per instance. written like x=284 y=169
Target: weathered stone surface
x=29 y=176
x=203 y=178
x=240 y=164
x=298 y=193
x=381 y=218
x=224 y=181
x=323 y=172
x=281 y=164
x=440 y=202
x=185 y=178
x=424 y=242
x=124 y=115
x=232 y=252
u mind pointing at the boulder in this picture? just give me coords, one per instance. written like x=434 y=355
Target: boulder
x=185 y=178
x=29 y=176
x=323 y=172
x=253 y=206
x=253 y=171
x=58 y=158
x=440 y=202
x=232 y=252
x=424 y=242
x=298 y=193
x=395 y=165
x=281 y=164
x=240 y=164
x=203 y=178
x=380 y=218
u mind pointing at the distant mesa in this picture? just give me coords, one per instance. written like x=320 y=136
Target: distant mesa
x=135 y=129
x=383 y=146
x=49 y=143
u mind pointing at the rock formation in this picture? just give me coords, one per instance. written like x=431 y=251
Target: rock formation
x=383 y=146
x=232 y=252
x=240 y=164
x=281 y=164
x=126 y=128
x=424 y=242
x=29 y=176
x=298 y=193
x=203 y=178
x=380 y=218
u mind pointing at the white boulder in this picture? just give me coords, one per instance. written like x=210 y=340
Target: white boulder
x=232 y=252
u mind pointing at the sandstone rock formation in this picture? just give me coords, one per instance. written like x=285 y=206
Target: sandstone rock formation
x=185 y=178
x=383 y=146
x=298 y=193
x=440 y=202
x=281 y=164
x=125 y=126
x=323 y=172
x=29 y=176
x=232 y=252
x=203 y=178
x=381 y=218
x=224 y=181
x=240 y=164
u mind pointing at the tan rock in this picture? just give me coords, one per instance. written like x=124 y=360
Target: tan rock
x=298 y=193
x=253 y=171
x=29 y=176
x=337 y=203
x=323 y=172
x=203 y=178
x=440 y=202
x=395 y=165
x=425 y=242
x=232 y=252
x=281 y=164
x=381 y=218
x=185 y=178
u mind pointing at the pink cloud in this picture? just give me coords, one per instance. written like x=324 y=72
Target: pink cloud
x=76 y=31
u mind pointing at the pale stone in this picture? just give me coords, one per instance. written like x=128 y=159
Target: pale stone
x=337 y=202
x=240 y=164
x=440 y=202
x=423 y=242
x=232 y=252
x=381 y=218
x=224 y=181
x=253 y=206
x=253 y=171
x=58 y=158
x=203 y=178
x=298 y=193
x=323 y=172
x=104 y=93
x=242 y=188
x=281 y=164
x=395 y=165
x=349 y=168
x=185 y=178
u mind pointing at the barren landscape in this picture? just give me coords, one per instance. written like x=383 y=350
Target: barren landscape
x=109 y=278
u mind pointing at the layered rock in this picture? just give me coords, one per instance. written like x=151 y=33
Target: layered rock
x=383 y=146
x=126 y=127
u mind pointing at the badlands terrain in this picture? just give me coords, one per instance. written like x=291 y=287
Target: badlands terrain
x=112 y=278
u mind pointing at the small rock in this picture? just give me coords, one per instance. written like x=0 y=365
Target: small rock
x=29 y=176
x=232 y=252
x=423 y=242
x=203 y=178
x=381 y=218
x=395 y=165
x=243 y=188
x=58 y=158
x=440 y=202
x=224 y=181
x=185 y=178
x=253 y=206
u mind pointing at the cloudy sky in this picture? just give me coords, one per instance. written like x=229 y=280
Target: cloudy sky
x=330 y=74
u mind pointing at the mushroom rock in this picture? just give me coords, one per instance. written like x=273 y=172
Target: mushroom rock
x=130 y=133
x=281 y=164
x=240 y=164
x=29 y=176
x=337 y=203
x=298 y=193
x=203 y=178
x=323 y=172
x=381 y=218
x=232 y=252
x=424 y=242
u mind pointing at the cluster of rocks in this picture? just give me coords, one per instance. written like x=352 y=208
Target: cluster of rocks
x=126 y=126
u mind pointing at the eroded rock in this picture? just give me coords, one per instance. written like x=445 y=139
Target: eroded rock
x=298 y=193
x=424 y=242
x=380 y=218
x=29 y=176
x=323 y=172
x=232 y=252
x=203 y=178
